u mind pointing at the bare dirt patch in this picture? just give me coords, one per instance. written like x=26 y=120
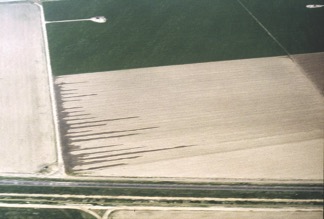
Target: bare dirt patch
x=264 y=214
x=253 y=119
x=27 y=142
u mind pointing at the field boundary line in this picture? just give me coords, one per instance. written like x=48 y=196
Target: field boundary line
x=59 y=153
x=264 y=28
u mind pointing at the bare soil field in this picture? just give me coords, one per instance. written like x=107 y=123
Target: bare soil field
x=245 y=119
x=27 y=142
x=259 y=214
x=313 y=66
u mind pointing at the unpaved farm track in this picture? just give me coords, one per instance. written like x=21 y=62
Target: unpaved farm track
x=249 y=119
x=27 y=139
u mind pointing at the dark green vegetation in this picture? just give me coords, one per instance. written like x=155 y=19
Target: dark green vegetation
x=38 y=213
x=298 y=29
x=144 y=33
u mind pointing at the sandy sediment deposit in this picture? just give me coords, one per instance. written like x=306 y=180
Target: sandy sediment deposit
x=247 y=119
x=27 y=142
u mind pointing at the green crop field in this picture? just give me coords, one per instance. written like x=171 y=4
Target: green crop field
x=145 y=33
x=298 y=29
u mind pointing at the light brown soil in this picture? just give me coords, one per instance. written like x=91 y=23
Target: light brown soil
x=27 y=142
x=247 y=119
x=215 y=214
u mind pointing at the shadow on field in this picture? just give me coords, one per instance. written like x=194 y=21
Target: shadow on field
x=88 y=143
x=313 y=66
